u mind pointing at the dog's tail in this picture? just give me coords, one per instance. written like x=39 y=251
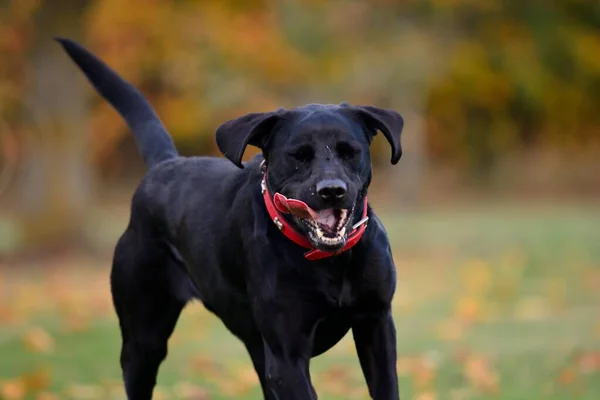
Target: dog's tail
x=152 y=139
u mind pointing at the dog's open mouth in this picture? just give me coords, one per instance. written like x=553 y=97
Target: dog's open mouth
x=325 y=228
x=329 y=226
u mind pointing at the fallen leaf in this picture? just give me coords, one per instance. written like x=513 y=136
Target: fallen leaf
x=476 y=277
x=85 y=392
x=161 y=393
x=12 y=390
x=404 y=366
x=461 y=394
x=589 y=362
x=188 y=391
x=38 y=340
x=46 y=396
x=468 y=310
x=37 y=380
x=450 y=330
x=556 y=293
x=423 y=374
x=426 y=396
x=532 y=308
x=480 y=374
x=566 y=376
x=238 y=381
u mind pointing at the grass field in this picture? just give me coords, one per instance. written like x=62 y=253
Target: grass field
x=495 y=303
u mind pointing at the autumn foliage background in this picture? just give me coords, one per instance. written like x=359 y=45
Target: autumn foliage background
x=493 y=211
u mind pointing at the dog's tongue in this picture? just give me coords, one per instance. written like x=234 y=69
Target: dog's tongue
x=296 y=207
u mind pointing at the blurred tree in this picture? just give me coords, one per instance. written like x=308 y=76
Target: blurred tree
x=476 y=80
x=55 y=183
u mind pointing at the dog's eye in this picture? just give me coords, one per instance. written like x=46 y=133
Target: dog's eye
x=303 y=154
x=346 y=150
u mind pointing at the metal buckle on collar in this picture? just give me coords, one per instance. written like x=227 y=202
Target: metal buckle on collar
x=359 y=223
x=278 y=223
x=263 y=186
x=263 y=182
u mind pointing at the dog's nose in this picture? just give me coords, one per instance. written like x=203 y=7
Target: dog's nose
x=332 y=189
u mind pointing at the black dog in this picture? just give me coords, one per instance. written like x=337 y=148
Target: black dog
x=278 y=248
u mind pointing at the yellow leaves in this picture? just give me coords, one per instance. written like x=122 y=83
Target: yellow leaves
x=476 y=277
x=29 y=383
x=238 y=381
x=423 y=374
x=334 y=380
x=84 y=392
x=37 y=380
x=480 y=374
x=532 y=308
x=421 y=369
x=426 y=396
x=233 y=380
x=587 y=44
x=188 y=391
x=46 y=396
x=183 y=115
x=340 y=381
x=451 y=329
x=38 y=340
x=555 y=292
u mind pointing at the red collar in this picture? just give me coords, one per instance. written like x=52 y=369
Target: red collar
x=287 y=229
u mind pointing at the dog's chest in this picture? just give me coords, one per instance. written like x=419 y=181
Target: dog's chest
x=338 y=287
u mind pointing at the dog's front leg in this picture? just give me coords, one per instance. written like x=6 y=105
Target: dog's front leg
x=375 y=341
x=287 y=338
x=288 y=376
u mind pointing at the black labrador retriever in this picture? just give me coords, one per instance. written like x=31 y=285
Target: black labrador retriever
x=284 y=249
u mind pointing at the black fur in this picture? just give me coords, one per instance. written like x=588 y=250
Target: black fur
x=199 y=229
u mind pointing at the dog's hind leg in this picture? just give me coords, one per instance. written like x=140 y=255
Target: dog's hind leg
x=147 y=307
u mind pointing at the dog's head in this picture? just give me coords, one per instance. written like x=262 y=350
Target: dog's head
x=318 y=158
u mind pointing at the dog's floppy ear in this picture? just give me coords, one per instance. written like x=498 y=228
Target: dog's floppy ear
x=389 y=122
x=252 y=129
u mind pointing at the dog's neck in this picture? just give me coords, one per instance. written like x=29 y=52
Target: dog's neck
x=358 y=229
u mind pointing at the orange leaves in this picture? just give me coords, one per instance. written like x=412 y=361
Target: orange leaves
x=188 y=391
x=469 y=309
x=426 y=396
x=479 y=373
x=422 y=371
x=38 y=340
x=452 y=329
x=34 y=382
x=583 y=364
x=233 y=380
x=12 y=390
x=340 y=381
x=476 y=281
x=37 y=380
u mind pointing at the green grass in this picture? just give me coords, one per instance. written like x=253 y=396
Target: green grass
x=528 y=282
